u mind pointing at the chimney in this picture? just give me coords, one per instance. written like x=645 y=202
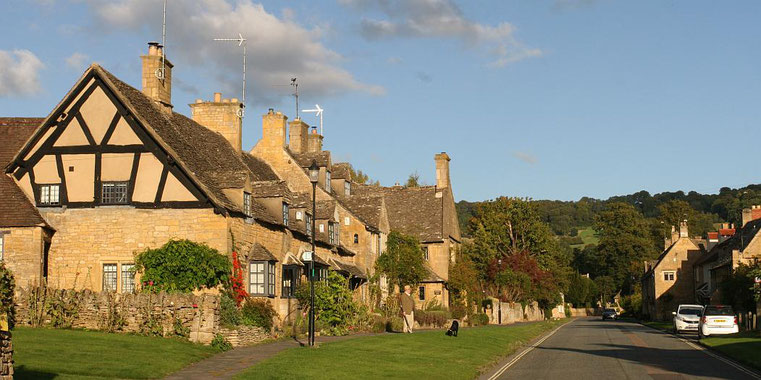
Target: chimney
x=442 y=170
x=683 y=229
x=299 y=133
x=273 y=128
x=157 y=88
x=674 y=235
x=221 y=116
x=315 y=141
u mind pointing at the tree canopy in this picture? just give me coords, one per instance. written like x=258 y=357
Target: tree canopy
x=402 y=263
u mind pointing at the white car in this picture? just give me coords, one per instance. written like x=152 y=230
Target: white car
x=687 y=318
x=717 y=319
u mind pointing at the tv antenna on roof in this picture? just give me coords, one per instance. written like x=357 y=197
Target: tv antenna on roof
x=318 y=112
x=296 y=95
x=242 y=43
x=160 y=73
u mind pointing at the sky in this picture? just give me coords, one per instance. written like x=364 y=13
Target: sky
x=547 y=99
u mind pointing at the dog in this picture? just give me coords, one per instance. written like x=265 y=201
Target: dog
x=453 y=329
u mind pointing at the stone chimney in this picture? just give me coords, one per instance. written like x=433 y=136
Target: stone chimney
x=442 y=170
x=220 y=115
x=315 y=141
x=157 y=88
x=674 y=235
x=273 y=128
x=750 y=214
x=299 y=133
x=683 y=229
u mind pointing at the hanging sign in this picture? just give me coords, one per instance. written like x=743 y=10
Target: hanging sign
x=306 y=256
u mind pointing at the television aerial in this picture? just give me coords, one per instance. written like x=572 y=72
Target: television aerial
x=318 y=112
x=241 y=43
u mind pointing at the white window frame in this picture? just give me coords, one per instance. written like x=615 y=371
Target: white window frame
x=347 y=221
x=332 y=232
x=347 y=188
x=47 y=194
x=2 y=245
x=115 y=280
x=425 y=253
x=327 y=181
x=669 y=275
x=127 y=280
x=267 y=276
x=247 y=203
x=285 y=214
x=308 y=223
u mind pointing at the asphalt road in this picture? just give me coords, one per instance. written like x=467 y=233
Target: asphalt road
x=592 y=349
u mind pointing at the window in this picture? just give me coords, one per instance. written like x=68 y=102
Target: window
x=347 y=221
x=109 y=277
x=347 y=188
x=128 y=278
x=321 y=273
x=308 y=219
x=298 y=215
x=669 y=275
x=291 y=276
x=322 y=228
x=356 y=239
x=2 y=246
x=261 y=278
x=247 y=203
x=327 y=181
x=285 y=214
x=378 y=244
x=114 y=193
x=50 y=194
x=332 y=233
x=421 y=293
x=425 y=253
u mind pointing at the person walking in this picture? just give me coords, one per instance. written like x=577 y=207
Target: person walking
x=408 y=309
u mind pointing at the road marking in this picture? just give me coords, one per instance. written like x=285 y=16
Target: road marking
x=727 y=361
x=524 y=352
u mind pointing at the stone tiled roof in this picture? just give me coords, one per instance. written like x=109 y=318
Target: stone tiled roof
x=260 y=252
x=305 y=159
x=340 y=171
x=739 y=241
x=350 y=269
x=344 y=250
x=368 y=208
x=261 y=170
x=302 y=200
x=269 y=189
x=415 y=211
x=432 y=276
x=325 y=210
x=15 y=208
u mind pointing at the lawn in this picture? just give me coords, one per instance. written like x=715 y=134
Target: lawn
x=660 y=325
x=588 y=236
x=42 y=353
x=422 y=355
x=744 y=347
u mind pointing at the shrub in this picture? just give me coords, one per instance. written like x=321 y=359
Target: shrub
x=436 y=318
x=632 y=305
x=236 y=286
x=379 y=324
x=182 y=266
x=568 y=310
x=459 y=311
x=229 y=314
x=333 y=302
x=257 y=312
x=479 y=319
x=220 y=343
x=395 y=324
x=7 y=286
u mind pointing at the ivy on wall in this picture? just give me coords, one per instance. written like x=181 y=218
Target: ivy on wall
x=182 y=266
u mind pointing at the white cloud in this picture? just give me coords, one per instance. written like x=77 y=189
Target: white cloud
x=19 y=73
x=76 y=61
x=440 y=19
x=526 y=157
x=278 y=48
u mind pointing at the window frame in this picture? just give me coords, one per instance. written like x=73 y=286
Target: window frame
x=347 y=188
x=268 y=278
x=421 y=293
x=2 y=244
x=332 y=233
x=127 y=275
x=356 y=238
x=425 y=253
x=291 y=274
x=247 y=203
x=285 y=214
x=327 y=181
x=115 y=273
x=115 y=184
x=308 y=222
x=49 y=187
x=669 y=275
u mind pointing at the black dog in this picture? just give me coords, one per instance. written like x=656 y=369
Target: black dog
x=454 y=328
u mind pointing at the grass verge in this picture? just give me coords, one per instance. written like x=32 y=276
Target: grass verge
x=660 y=325
x=744 y=347
x=426 y=354
x=41 y=353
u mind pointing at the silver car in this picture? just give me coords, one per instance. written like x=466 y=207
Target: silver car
x=687 y=318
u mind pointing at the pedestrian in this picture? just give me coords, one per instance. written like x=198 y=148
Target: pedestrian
x=408 y=309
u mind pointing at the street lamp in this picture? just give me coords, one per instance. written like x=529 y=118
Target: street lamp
x=314 y=175
x=499 y=299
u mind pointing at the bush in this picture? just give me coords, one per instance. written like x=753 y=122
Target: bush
x=333 y=302
x=229 y=314
x=459 y=311
x=568 y=310
x=632 y=305
x=257 y=312
x=436 y=318
x=395 y=324
x=182 y=266
x=480 y=319
x=220 y=343
x=7 y=286
x=379 y=324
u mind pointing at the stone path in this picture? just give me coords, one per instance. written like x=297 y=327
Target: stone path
x=228 y=364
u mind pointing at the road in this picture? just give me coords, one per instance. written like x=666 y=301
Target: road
x=593 y=349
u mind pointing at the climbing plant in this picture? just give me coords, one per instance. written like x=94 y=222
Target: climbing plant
x=182 y=266
x=7 y=286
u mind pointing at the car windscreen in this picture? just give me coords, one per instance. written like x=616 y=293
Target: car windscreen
x=714 y=310
x=690 y=311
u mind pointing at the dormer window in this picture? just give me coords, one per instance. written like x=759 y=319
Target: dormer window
x=332 y=233
x=247 y=203
x=327 y=181
x=347 y=188
x=285 y=214
x=50 y=195
x=308 y=219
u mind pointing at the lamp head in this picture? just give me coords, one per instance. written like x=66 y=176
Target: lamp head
x=314 y=172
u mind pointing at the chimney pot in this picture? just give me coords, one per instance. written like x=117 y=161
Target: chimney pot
x=199 y=100
x=217 y=97
x=270 y=111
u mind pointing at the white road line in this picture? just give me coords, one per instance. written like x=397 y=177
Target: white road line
x=727 y=361
x=526 y=351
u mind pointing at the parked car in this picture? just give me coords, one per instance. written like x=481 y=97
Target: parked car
x=609 y=314
x=717 y=319
x=687 y=318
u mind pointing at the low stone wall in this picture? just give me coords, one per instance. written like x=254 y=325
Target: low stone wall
x=584 y=312
x=514 y=312
x=194 y=316
x=244 y=335
x=6 y=356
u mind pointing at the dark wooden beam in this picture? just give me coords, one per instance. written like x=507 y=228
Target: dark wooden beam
x=162 y=183
x=92 y=149
x=85 y=128
x=63 y=194
x=133 y=175
x=111 y=128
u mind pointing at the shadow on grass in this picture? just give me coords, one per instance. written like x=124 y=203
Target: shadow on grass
x=21 y=373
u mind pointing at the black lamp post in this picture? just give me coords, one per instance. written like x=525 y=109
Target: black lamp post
x=314 y=176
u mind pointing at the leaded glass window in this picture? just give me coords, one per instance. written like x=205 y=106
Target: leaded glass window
x=114 y=193
x=128 y=278
x=50 y=194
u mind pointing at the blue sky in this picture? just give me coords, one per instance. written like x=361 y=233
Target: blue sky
x=554 y=99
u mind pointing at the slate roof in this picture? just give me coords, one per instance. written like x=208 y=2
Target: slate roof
x=260 y=252
x=15 y=208
x=340 y=171
x=414 y=211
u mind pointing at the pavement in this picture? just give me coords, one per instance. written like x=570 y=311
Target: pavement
x=589 y=348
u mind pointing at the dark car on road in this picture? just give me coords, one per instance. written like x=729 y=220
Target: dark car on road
x=609 y=314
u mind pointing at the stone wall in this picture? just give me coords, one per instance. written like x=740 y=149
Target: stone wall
x=6 y=356
x=138 y=313
x=514 y=312
x=584 y=312
x=244 y=335
x=23 y=248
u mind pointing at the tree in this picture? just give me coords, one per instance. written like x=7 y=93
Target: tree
x=673 y=212
x=182 y=266
x=582 y=290
x=357 y=176
x=413 y=180
x=7 y=289
x=606 y=287
x=402 y=263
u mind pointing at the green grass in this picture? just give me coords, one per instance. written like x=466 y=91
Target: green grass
x=744 y=347
x=422 y=355
x=41 y=353
x=660 y=325
x=587 y=237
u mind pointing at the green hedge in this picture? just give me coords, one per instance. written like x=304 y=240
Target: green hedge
x=7 y=286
